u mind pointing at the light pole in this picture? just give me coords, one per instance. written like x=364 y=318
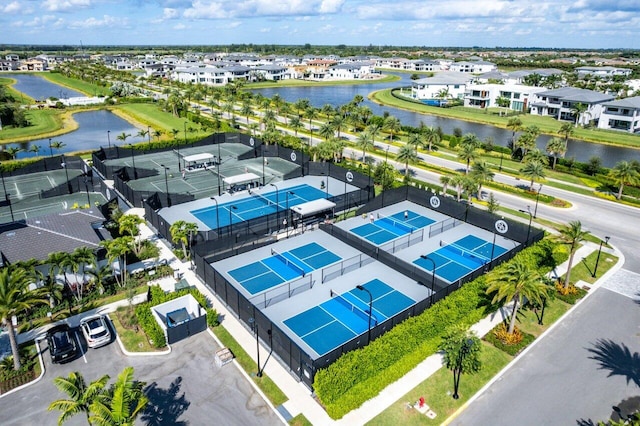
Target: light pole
x=50 y=148
x=277 y=205
x=493 y=246
x=86 y=186
x=166 y=184
x=6 y=195
x=500 y=167
x=464 y=351
x=535 y=210
x=185 y=133
x=149 y=134
x=528 y=211
x=66 y=172
x=287 y=214
x=217 y=215
x=595 y=269
x=231 y=208
x=359 y=287
x=133 y=161
x=433 y=277
x=254 y=329
x=264 y=180
x=108 y=138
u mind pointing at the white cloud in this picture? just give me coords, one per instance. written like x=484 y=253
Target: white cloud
x=107 y=21
x=222 y=9
x=65 y=5
x=13 y=7
x=170 y=13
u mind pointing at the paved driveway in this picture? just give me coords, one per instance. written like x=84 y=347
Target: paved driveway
x=559 y=382
x=185 y=387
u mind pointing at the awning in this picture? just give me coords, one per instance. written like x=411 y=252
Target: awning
x=312 y=207
x=198 y=157
x=240 y=179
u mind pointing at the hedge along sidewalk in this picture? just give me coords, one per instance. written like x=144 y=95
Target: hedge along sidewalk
x=392 y=393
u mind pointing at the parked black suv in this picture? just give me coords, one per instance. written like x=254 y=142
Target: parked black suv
x=62 y=345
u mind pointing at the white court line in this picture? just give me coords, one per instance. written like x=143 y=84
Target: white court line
x=18 y=193
x=51 y=182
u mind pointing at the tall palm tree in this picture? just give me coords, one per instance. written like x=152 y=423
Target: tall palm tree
x=392 y=125
x=467 y=153
x=445 y=180
x=571 y=235
x=246 y=109
x=122 y=403
x=431 y=136
x=533 y=170
x=556 y=147
x=515 y=125
x=373 y=130
x=35 y=149
x=566 y=130
x=481 y=173
x=296 y=124
x=123 y=137
x=13 y=151
x=80 y=395
x=143 y=134
x=56 y=145
x=326 y=131
x=117 y=250
x=516 y=282
x=578 y=110
x=407 y=154
x=15 y=298
x=536 y=155
x=338 y=121
x=301 y=105
x=624 y=173
x=128 y=224
x=85 y=257
x=311 y=114
x=364 y=141
x=158 y=133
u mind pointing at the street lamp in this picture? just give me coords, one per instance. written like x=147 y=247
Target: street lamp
x=595 y=269
x=86 y=186
x=264 y=180
x=528 y=211
x=149 y=134
x=108 y=138
x=359 y=287
x=464 y=351
x=166 y=184
x=231 y=208
x=535 y=211
x=217 y=215
x=277 y=205
x=287 y=213
x=433 y=277
x=66 y=172
x=50 y=148
x=185 y=133
x=254 y=329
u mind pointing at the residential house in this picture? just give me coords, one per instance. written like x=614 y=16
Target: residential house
x=560 y=104
x=34 y=64
x=353 y=71
x=486 y=95
x=603 y=72
x=271 y=72
x=623 y=114
x=475 y=67
x=441 y=86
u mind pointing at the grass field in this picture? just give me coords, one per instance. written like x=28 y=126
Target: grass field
x=547 y=125
x=151 y=115
x=45 y=123
x=311 y=83
x=81 y=86
x=19 y=96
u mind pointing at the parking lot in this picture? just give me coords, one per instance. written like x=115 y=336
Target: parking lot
x=184 y=387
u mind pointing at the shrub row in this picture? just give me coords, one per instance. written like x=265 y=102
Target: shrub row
x=361 y=374
x=158 y=296
x=514 y=349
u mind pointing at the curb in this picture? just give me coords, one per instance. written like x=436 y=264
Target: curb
x=34 y=381
x=499 y=375
x=134 y=354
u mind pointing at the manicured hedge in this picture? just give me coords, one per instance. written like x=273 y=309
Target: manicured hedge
x=150 y=325
x=361 y=374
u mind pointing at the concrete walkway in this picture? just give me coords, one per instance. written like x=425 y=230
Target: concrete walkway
x=300 y=398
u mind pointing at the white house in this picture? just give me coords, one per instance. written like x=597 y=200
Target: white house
x=486 y=95
x=452 y=84
x=475 y=67
x=272 y=72
x=603 y=72
x=353 y=71
x=559 y=103
x=623 y=114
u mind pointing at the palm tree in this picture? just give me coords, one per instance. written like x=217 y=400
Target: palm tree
x=143 y=134
x=577 y=111
x=129 y=224
x=311 y=114
x=338 y=121
x=415 y=139
x=533 y=170
x=80 y=395
x=13 y=151
x=301 y=105
x=503 y=102
x=123 y=137
x=536 y=155
x=56 y=145
x=373 y=130
x=566 y=130
x=117 y=250
x=364 y=141
x=467 y=153
x=392 y=125
x=556 y=147
x=35 y=149
x=515 y=124
x=461 y=352
x=158 y=133
x=15 y=298
x=516 y=282
x=571 y=235
x=458 y=182
x=624 y=173
x=407 y=154
x=182 y=231
x=246 y=110
x=296 y=124
x=445 y=180
x=481 y=173
x=326 y=131
x=431 y=135
x=121 y=404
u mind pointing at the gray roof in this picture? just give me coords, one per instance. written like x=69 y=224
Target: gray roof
x=577 y=95
x=37 y=237
x=446 y=78
x=633 y=103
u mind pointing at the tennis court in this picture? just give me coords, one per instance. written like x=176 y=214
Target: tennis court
x=282 y=267
x=457 y=259
x=345 y=316
x=256 y=204
x=387 y=228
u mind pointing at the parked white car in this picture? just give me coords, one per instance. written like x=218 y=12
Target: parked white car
x=95 y=331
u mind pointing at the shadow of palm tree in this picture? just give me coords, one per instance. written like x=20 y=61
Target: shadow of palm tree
x=618 y=359
x=637 y=299
x=627 y=410
x=165 y=406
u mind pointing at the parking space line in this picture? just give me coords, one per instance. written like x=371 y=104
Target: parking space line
x=80 y=346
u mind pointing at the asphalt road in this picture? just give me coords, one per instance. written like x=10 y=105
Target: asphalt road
x=184 y=387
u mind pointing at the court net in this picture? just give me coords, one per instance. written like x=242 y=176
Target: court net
x=288 y=262
x=455 y=248
x=403 y=226
x=355 y=309
x=263 y=199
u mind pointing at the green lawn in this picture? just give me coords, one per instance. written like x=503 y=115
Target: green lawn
x=311 y=83
x=81 y=86
x=151 y=115
x=583 y=268
x=44 y=123
x=132 y=340
x=437 y=391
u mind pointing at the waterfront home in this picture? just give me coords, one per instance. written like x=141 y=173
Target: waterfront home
x=561 y=103
x=486 y=95
x=623 y=114
x=441 y=86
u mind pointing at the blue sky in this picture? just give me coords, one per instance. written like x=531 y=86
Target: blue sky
x=486 y=23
